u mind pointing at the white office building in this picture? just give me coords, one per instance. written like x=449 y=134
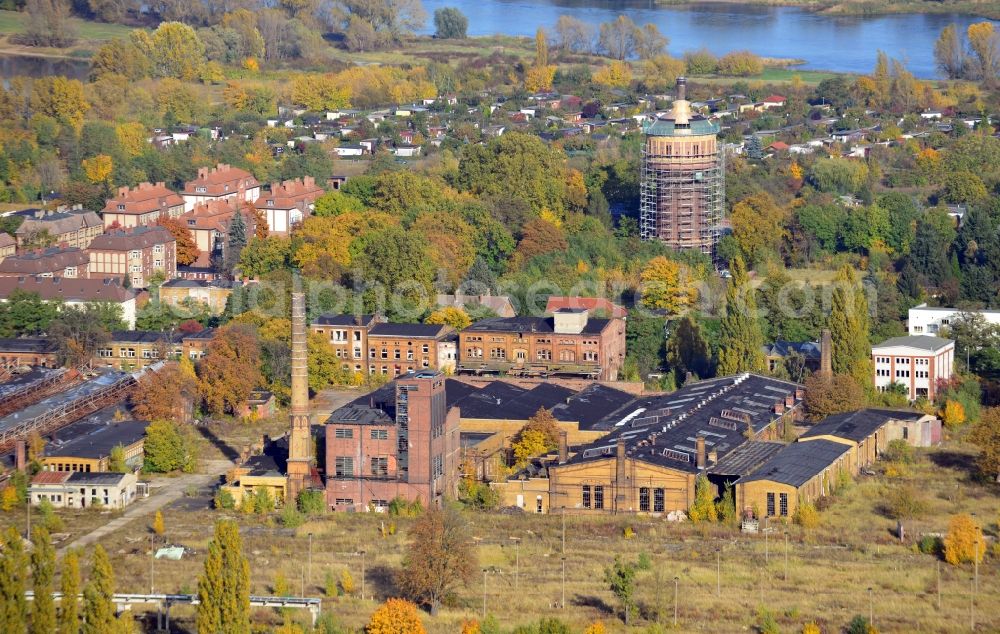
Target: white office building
x=928 y=320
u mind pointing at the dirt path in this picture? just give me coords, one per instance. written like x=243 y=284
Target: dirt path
x=159 y=497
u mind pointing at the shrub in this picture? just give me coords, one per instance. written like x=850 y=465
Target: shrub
x=628 y=532
x=766 y=623
x=224 y=500
x=401 y=507
x=471 y=627
x=347 y=582
x=952 y=414
x=311 y=502
x=396 y=616
x=930 y=545
x=811 y=628
x=52 y=522
x=703 y=509
x=904 y=502
x=597 y=627
x=701 y=62
x=807 y=516
x=644 y=562
x=900 y=451
x=860 y=625
x=964 y=541
x=8 y=499
x=330 y=587
x=158 y=526
x=291 y=518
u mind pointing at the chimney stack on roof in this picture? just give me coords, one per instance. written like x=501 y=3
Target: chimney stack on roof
x=20 y=455
x=682 y=88
x=563 y=447
x=826 y=355
x=700 y=447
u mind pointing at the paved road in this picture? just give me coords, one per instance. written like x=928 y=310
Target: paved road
x=160 y=496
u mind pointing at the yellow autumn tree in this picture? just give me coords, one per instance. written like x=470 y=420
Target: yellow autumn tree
x=396 y=616
x=617 y=74
x=450 y=316
x=8 y=498
x=471 y=627
x=251 y=64
x=531 y=443
x=538 y=78
x=98 y=169
x=132 y=137
x=953 y=413
x=597 y=627
x=158 y=526
x=320 y=92
x=964 y=541
x=667 y=285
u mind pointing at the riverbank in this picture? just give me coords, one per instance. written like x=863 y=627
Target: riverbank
x=90 y=35
x=982 y=8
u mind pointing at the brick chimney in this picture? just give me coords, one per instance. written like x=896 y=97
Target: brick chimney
x=20 y=455
x=123 y=191
x=779 y=407
x=789 y=400
x=202 y=172
x=620 y=479
x=308 y=181
x=826 y=355
x=563 y=447
x=700 y=448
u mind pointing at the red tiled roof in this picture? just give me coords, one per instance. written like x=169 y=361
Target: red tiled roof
x=143 y=199
x=778 y=145
x=775 y=99
x=51 y=477
x=290 y=194
x=221 y=180
x=556 y=302
x=60 y=288
x=216 y=215
x=43 y=261
x=138 y=238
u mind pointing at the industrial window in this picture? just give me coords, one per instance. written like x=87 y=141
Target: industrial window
x=426 y=348
x=395 y=353
x=344 y=466
x=783 y=501
x=544 y=355
x=498 y=353
x=598 y=497
x=380 y=466
x=344 y=501
x=586 y=496
x=538 y=504
x=385 y=353
x=343 y=432
x=437 y=467
x=567 y=355
x=770 y=504
x=643 y=498
x=409 y=355
x=589 y=355
x=906 y=433
x=380 y=434
x=381 y=504
x=658 y=499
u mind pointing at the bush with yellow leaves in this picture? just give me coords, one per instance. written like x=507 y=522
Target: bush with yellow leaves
x=964 y=541
x=396 y=616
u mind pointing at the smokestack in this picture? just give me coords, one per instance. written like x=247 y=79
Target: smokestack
x=713 y=457
x=826 y=355
x=700 y=447
x=681 y=88
x=620 y=480
x=299 y=441
x=563 y=447
x=20 y=455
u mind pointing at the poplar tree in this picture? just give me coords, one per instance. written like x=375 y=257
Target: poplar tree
x=43 y=572
x=849 y=327
x=69 y=615
x=98 y=608
x=224 y=586
x=236 y=240
x=741 y=346
x=13 y=563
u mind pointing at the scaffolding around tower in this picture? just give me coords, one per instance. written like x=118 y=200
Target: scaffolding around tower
x=682 y=179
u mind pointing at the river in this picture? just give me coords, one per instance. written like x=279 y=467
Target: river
x=836 y=43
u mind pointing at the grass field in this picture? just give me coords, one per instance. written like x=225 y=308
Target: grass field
x=829 y=569
x=13 y=22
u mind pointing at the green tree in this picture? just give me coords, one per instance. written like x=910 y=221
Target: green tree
x=335 y=203
x=986 y=436
x=69 y=609
x=224 y=586
x=167 y=448
x=392 y=256
x=620 y=577
x=116 y=461
x=236 y=239
x=687 y=349
x=98 y=608
x=43 y=572
x=13 y=564
x=850 y=327
x=450 y=23
x=741 y=346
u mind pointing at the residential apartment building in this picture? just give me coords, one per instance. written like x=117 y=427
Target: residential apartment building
x=136 y=254
x=8 y=245
x=569 y=343
x=929 y=320
x=367 y=344
x=74 y=292
x=919 y=363
x=220 y=183
x=209 y=223
x=73 y=228
x=407 y=446
x=288 y=203
x=141 y=205
x=70 y=262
